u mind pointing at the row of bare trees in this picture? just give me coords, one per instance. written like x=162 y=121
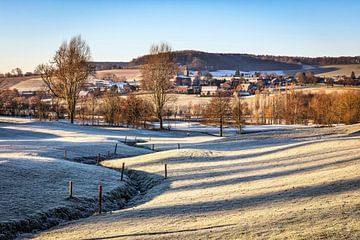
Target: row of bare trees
x=291 y=107
x=223 y=109
x=297 y=107
x=13 y=104
x=132 y=110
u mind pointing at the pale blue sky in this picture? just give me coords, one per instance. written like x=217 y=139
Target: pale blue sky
x=31 y=30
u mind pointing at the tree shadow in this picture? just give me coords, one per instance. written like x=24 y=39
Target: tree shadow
x=162 y=233
x=214 y=159
x=273 y=161
x=322 y=70
x=237 y=180
x=287 y=195
x=240 y=168
x=12 y=134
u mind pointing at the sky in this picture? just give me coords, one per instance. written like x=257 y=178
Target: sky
x=32 y=30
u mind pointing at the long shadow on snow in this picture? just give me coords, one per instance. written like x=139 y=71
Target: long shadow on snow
x=319 y=190
x=11 y=134
x=252 y=178
x=273 y=161
x=241 y=169
x=162 y=233
x=208 y=159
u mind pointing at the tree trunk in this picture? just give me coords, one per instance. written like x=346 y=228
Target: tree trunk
x=72 y=116
x=72 y=109
x=221 y=127
x=71 y=113
x=161 y=122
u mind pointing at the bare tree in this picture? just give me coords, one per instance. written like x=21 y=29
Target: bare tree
x=156 y=74
x=68 y=72
x=112 y=107
x=239 y=109
x=219 y=109
x=17 y=72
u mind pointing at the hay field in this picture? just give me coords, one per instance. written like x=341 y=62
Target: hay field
x=126 y=74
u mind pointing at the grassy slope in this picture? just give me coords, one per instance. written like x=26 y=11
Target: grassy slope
x=128 y=74
x=298 y=189
x=338 y=70
x=9 y=82
x=33 y=84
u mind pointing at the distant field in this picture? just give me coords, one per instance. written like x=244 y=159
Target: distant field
x=32 y=84
x=9 y=82
x=126 y=74
x=338 y=70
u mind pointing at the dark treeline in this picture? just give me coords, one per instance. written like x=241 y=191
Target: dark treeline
x=319 y=61
x=110 y=108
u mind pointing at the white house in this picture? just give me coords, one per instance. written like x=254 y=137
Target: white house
x=208 y=90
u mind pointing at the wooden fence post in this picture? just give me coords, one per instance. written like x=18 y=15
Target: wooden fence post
x=100 y=199
x=115 y=148
x=122 y=171
x=165 y=170
x=70 y=189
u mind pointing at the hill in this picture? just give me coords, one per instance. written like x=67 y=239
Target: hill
x=196 y=60
x=338 y=70
x=109 y=65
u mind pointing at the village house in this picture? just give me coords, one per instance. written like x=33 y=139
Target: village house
x=182 y=80
x=209 y=90
x=181 y=89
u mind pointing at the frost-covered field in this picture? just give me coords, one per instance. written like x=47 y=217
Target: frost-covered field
x=34 y=175
x=286 y=184
x=199 y=127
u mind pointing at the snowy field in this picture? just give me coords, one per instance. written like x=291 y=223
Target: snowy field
x=285 y=184
x=214 y=130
